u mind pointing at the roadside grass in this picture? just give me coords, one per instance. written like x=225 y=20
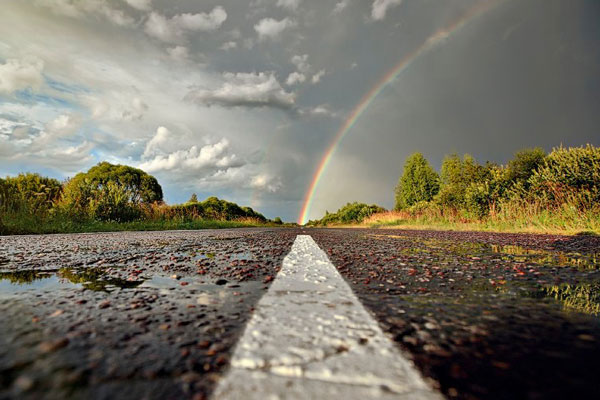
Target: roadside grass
x=23 y=223
x=565 y=220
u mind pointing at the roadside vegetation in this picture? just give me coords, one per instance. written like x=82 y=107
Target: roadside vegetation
x=109 y=198
x=351 y=213
x=557 y=192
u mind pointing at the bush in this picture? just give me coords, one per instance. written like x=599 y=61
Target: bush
x=348 y=214
x=29 y=193
x=456 y=176
x=524 y=164
x=565 y=170
x=419 y=182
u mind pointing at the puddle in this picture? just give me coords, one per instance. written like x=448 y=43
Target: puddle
x=446 y=251
x=24 y=281
x=548 y=258
x=582 y=298
x=64 y=278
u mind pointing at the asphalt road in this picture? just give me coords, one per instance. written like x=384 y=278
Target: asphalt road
x=157 y=314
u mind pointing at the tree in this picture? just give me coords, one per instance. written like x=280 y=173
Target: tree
x=419 y=182
x=29 y=193
x=457 y=176
x=524 y=164
x=108 y=191
x=193 y=199
x=278 y=221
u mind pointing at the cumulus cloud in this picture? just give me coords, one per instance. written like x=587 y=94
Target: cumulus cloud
x=295 y=77
x=269 y=28
x=209 y=165
x=209 y=157
x=156 y=145
x=142 y=5
x=340 y=6
x=380 y=7
x=265 y=182
x=317 y=77
x=49 y=145
x=21 y=74
x=289 y=4
x=246 y=90
x=77 y=9
x=173 y=30
x=301 y=62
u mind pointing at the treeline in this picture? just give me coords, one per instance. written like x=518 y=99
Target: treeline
x=106 y=193
x=351 y=213
x=532 y=181
x=535 y=191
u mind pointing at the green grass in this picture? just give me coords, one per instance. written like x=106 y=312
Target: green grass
x=26 y=224
x=561 y=220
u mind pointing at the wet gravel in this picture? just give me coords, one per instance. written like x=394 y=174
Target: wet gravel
x=483 y=315
x=128 y=315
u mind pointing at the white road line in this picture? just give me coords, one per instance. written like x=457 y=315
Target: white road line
x=311 y=338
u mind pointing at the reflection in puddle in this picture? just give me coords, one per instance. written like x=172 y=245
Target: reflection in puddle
x=549 y=258
x=583 y=298
x=91 y=278
x=446 y=250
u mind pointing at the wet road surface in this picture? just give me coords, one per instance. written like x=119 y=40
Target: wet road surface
x=128 y=315
x=157 y=314
x=487 y=316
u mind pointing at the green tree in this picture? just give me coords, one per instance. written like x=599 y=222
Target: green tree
x=278 y=221
x=118 y=188
x=193 y=199
x=419 y=182
x=524 y=164
x=29 y=193
x=457 y=176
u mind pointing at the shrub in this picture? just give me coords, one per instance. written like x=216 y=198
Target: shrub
x=456 y=176
x=565 y=170
x=524 y=164
x=348 y=214
x=419 y=182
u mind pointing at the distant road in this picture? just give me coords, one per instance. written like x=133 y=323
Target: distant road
x=159 y=314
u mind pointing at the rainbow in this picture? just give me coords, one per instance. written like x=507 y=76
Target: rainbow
x=431 y=42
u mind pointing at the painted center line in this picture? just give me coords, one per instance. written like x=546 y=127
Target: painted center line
x=311 y=338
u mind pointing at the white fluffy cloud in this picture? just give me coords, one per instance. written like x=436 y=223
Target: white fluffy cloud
x=316 y=78
x=301 y=62
x=269 y=28
x=206 y=158
x=50 y=145
x=143 y=5
x=157 y=144
x=380 y=7
x=246 y=90
x=295 y=78
x=21 y=74
x=209 y=165
x=77 y=9
x=173 y=30
x=289 y=4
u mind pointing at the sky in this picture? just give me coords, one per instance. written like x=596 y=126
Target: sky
x=242 y=99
